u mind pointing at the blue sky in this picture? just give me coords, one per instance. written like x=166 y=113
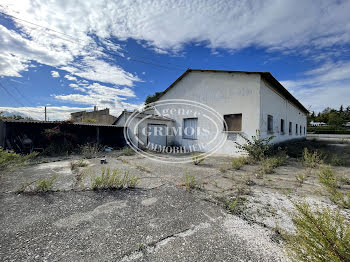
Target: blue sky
x=72 y=55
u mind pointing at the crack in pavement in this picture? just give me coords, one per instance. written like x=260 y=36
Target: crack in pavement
x=154 y=246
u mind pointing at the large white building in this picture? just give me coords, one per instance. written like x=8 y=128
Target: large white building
x=247 y=101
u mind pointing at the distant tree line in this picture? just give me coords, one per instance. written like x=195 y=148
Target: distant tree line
x=15 y=117
x=331 y=116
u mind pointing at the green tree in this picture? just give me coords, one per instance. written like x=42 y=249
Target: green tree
x=152 y=98
x=335 y=119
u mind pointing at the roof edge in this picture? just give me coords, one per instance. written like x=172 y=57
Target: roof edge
x=266 y=75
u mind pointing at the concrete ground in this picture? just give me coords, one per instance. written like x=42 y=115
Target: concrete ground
x=161 y=219
x=164 y=224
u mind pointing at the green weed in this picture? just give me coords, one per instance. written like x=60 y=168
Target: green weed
x=320 y=235
x=312 y=159
x=255 y=147
x=79 y=163
x=197 y=158
x=238 y=162
x=267 y=165
x=45 y=185
x=300 y=178
x=329 y=180
x=9 y=159
x=115 y=179
x=190 y=182
x=127 y=151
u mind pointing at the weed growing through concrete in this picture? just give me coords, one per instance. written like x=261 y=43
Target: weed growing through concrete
x=115 y=179
x=312 y=160
x=197 y=158
x=22 y=188
x=320 y=235
x=267 y=165
x=127 y=151
x=329 y=180
x=190 y=182
x=233 y=205
x=344 y=180
x=79 y=163
x=300 y=178
x=45 y=185
x=90 y=150
x=238 y=162
x=9 y=159
x=142 y=168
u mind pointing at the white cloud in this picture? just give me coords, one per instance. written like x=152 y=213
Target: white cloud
x=169 y=25
x=99 y=70
x=55 y=74
x=102 y=96
x=327 y=85
x=53 y=112
x=303 y=27
x=70 y=78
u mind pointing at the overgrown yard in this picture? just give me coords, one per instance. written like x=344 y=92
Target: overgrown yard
x=260 y=202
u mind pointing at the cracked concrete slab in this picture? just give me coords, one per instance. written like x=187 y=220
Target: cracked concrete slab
x=165 y=224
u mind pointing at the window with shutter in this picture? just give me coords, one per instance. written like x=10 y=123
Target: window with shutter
x=190 y=128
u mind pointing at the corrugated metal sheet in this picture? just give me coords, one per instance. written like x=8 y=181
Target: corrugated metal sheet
x=53 y=122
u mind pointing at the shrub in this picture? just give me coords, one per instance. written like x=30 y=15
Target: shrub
x=115 y=179
x=329 y=180
x=267 y=165
x=311 y=159
x=322 y=235
x=59 y=140
x=79 y=163
x=90 y=150
x=127 y=151
x=256 y=147
x=9 y=159
x=238 y=162
x=197 y=158
x=45 y=185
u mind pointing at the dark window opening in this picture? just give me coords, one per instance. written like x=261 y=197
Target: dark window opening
x=282 y=126
x=296 y=129
x=290 y=128
x=269 y=123
x=233 y=122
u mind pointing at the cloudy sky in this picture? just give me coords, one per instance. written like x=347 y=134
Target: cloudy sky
x=70 y=55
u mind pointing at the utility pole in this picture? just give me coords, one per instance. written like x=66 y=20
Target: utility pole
x=45 y=113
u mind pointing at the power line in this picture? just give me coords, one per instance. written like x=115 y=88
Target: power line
x=103 y=52
x=15 y=99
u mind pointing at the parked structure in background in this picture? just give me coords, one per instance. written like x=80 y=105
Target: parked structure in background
x=247 y=101
x=96 y=116
x=312 y=123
